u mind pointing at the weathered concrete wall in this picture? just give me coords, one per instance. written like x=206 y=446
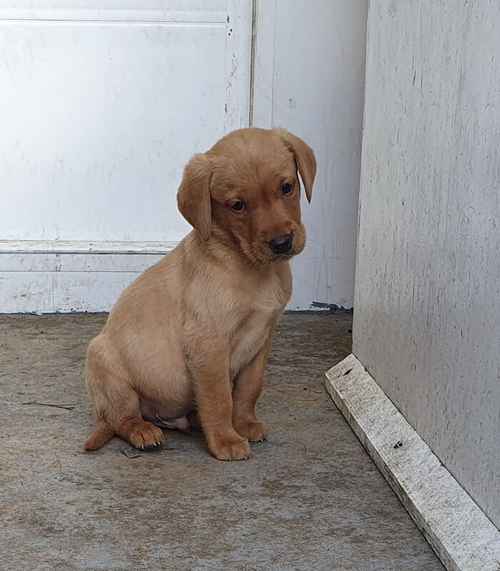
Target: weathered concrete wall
x=427 y=303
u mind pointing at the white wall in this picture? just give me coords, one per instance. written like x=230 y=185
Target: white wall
x=309 y=78
x=102 y=103
x=427 y=305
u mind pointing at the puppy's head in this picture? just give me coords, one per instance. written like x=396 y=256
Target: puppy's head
x=246 y=190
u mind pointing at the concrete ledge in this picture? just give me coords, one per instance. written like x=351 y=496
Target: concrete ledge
x=456 y=528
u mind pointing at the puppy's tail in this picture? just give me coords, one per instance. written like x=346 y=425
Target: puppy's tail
x=102 y=434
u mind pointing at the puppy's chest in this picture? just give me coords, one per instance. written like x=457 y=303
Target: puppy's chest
x=257 y=312
x=250 y=338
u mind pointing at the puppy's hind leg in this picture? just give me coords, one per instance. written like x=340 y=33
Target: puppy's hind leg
x=117 y=407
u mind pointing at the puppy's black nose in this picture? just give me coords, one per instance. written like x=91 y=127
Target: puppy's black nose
x=281 y=244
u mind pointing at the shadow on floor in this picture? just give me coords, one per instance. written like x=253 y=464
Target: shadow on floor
x=309 y=498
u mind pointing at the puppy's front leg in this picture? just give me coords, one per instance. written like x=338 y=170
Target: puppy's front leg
x=247 y=389
x=215 y=405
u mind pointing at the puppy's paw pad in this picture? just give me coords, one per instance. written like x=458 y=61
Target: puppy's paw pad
x=253 y=431
x=146 y=436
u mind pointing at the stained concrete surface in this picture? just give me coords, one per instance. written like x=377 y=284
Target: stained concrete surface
x=309 y=498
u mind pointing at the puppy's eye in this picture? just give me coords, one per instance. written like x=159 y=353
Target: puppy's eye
x=286 y=188
x=238 y=206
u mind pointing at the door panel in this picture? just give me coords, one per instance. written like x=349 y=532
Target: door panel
x=101 y=105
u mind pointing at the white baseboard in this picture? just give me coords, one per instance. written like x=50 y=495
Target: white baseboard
x=456 y=528
x=55 y=276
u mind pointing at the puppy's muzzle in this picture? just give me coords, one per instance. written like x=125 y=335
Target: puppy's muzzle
x=282 y=245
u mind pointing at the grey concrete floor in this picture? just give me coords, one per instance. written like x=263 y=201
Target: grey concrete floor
x=309 y=498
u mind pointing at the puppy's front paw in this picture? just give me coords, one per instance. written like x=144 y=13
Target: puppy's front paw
x=144 y=435
x=252 y=430
x=229 y=447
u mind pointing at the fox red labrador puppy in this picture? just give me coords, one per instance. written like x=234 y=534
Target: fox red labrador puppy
x=193 y=332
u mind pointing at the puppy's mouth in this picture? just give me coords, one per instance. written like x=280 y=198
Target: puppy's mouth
x=276 y=258
x=262 y=254
x=283 y=257
x=278 y=249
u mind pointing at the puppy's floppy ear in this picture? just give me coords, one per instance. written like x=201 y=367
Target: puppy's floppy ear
x=193 y=196
x=304 y=157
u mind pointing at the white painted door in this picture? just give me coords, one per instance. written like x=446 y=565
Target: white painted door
x=102 y=102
